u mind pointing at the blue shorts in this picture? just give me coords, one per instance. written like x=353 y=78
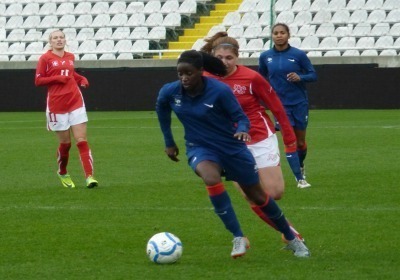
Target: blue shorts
x=298 y=116
x=240 y=168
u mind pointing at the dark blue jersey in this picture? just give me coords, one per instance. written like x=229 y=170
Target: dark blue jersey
x=274 y=65
x=210 y=119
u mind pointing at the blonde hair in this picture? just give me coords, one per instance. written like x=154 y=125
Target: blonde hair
x=51 y=35
x=221 y=40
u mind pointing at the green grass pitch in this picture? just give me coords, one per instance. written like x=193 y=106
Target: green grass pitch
x=349 y=217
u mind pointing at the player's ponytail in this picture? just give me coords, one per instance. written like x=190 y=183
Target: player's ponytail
x=203 y=60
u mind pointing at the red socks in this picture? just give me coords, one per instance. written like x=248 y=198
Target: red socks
x=62 y=157
x=86 y=157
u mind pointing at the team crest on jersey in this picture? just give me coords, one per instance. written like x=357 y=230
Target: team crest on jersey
x=55 y=63
x=71 y=62
x=269 y=59
x=238 y=89
x=177 y=102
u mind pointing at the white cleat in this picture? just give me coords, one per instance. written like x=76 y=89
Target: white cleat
x=240 y=246
x=302 y=184
x=298 y=247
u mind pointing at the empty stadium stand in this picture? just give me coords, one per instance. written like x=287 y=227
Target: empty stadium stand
x=108 y=30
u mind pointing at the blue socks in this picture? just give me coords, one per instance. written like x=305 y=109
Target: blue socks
x=294 y=163
x=223 y=208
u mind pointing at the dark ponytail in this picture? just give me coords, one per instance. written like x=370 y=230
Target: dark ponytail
x=198 y=59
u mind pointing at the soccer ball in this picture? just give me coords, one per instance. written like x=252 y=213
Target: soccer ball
x=164 y=247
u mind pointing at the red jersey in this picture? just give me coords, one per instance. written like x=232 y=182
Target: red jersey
x=251 y=90
x=58 y=74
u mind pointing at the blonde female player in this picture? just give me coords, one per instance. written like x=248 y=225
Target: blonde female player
x=252 y=90
x=65 y=111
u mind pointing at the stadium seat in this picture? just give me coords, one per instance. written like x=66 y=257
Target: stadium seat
x=351 y=53
x=34 y=57
x=265 y=19
x=139 y=46
x=215 y=29
x=117 y=7
x=342 y=31
x=136 y=19
x=318 y=5
x=32 y=35
x=105 y=46
x=384 y=42
x=371 y=5
x=198 y=44
x=65 y=21
x=314 y=54
x=123 y=46
x=125 y=56
x=30 y=9
x=389 y=5
x=101 y=20
x=13 y=9
x=48 y=8
x=16 y=35
x=72 y=46
x=48 y=22
x=255 y=44
x=376 y=16
x=347 y=42
x=306 y=30
x=322 y=16
x=83 y=21
x=341 y=17
x=103 y=33
x=325 y=29
x=46 y=34
x=286 y=17
x=310 y=42
x=107 y=56
x=369 y=53
x=83 y=8
x=89 y=56
x=362 y=29
x=393 y=16
x=380 y=29
x=295 y=42
x=301 y=5
x=121 y=32
x=154 y=19
x=365 y=43
x=336 y=5
x=85 y=34
x=388 y=52
x=247 y=6
x=283 y=5
x=135 y=7
x=358 y=16
x=16 y=48
x=263 y=6
x=252 y=31
x=303 y=17
x=3 y=47
x=18 y=57
x=34 y=48
x=99 y=8
x=169 y=6
x=249 y=19
x=65 y=8
x=87 y=46
x=266 y=32
x=328 y=43
x=188 y=7
x=152 y=6
x=231 y=18
x=172 y=20
x=235 y=31
x=355 y=5
x=2 y=8
x=118 y=20
x=395 y=30
x=139 y=32
x=3 y=22
x=157 y=33
x=70 y=33
x=335 y=53
x=14 y=22
x=31 y=22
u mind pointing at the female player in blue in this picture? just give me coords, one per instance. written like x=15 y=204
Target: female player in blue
x=216 y=130
x=288 y=69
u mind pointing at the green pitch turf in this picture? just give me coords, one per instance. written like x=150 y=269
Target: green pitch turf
x=349 y=217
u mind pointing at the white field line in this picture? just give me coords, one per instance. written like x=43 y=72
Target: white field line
x=192 y=209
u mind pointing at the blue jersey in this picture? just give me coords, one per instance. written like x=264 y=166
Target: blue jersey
x=210 y=119
x=274 y=65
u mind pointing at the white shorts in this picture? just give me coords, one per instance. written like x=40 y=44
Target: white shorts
x=61 y=122
x=266 y=152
